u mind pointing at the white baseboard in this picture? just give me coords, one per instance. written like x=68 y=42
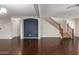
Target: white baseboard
x=5 y=37
x=8 y=37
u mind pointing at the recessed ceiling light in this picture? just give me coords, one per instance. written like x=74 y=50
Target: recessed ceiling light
x=3 y=11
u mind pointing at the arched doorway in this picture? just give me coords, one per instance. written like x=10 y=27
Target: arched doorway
x=31 y=28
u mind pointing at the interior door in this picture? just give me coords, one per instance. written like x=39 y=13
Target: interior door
x=30 y=27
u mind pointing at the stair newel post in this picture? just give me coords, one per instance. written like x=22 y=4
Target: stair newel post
x=67 y=27
x=61 y=30
x=73 y=33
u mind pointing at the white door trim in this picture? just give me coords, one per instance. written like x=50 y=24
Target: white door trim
x=22 y=28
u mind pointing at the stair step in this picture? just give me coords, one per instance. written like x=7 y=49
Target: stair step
x=66 y=35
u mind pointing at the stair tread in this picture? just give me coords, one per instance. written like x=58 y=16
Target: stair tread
x=66 y=35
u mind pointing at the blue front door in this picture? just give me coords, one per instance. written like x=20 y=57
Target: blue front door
x=30 y=27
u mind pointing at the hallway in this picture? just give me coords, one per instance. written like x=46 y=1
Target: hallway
x=44 y=46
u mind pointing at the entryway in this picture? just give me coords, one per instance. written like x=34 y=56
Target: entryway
x=31 y=28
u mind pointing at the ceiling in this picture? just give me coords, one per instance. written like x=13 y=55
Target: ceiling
x=58 y=10
x=46 y=10
x=19 y=9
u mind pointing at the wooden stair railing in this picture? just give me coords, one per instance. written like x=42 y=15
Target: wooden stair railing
x=61 y=31
x=70 y=31
x=68 y=34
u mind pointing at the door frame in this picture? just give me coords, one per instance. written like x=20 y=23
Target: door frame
x=22 y=28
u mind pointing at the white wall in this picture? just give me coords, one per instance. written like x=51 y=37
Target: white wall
x=5 y=25
x=47 y=30
x=77 y=27
x=10 y=27
x=15 y=26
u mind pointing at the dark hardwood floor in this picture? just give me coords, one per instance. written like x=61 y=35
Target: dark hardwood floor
x=44 y=46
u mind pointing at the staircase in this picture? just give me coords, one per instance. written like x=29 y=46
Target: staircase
x=67 y=34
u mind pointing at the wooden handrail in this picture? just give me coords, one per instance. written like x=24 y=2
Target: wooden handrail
x=73 y=33
x=55 y=21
